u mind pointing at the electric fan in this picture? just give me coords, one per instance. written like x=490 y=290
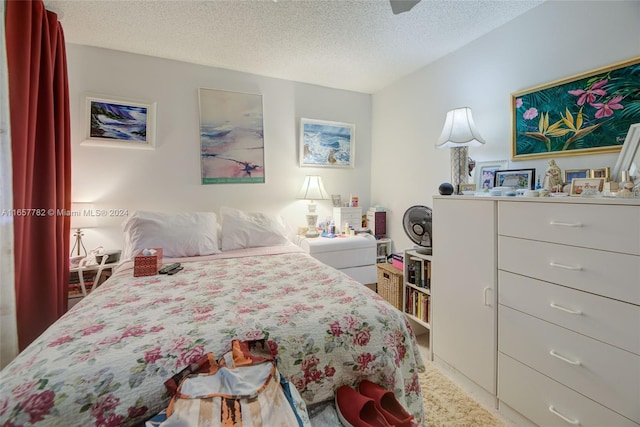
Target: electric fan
x=417 y=224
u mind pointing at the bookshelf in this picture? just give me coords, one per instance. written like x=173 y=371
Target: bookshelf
x=416 y=295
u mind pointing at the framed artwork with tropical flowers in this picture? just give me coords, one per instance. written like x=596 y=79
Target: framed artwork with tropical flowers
x=585 y=114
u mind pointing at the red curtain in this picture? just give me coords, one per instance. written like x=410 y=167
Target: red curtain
x=41 y=159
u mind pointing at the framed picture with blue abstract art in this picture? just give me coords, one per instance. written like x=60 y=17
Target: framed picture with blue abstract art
x=119 y=122
x=327 y=144
x=589 y=113
x=231 y=137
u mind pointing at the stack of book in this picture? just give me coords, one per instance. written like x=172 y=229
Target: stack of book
x=75 y=290
x=420 y=273
x=417 y=304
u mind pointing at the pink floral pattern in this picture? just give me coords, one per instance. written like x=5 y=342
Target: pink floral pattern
x=104 y=362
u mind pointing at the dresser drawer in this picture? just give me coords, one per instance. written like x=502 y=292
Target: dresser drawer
x=604 y=319
x=605 y=227
x=535 y=396
x=603 y=273
x=604 y=373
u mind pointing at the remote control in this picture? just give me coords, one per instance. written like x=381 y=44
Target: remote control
x=174 y=271
x=167 y=268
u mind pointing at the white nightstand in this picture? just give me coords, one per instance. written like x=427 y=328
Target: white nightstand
x=353 y=255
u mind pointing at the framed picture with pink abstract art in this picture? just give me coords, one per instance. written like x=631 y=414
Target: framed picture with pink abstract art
x=231 y=137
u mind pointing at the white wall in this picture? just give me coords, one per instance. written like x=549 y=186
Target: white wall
x=555 y=40
x=168 y=178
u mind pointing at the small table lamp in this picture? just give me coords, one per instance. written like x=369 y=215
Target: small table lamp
x=312 y=189
x=82 y=216
x=458 y=133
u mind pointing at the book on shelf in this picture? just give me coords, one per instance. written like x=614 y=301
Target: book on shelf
x=420 y=273
x=76 y=290
x=417 y=304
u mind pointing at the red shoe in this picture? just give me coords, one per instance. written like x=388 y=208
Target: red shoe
x=387 y=404
x=356 y=410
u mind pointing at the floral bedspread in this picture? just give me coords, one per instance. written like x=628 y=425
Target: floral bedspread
x=104 y=362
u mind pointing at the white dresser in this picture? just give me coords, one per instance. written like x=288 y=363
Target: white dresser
x=568 y=325
x=569 y=311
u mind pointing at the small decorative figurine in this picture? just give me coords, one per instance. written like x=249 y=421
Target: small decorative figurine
x=552 y=177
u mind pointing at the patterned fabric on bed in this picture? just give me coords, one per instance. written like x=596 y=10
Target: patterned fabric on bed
x=104 y=362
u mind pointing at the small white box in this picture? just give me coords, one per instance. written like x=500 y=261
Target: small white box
x=351 y=216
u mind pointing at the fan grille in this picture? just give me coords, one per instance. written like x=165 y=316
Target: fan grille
x=417 y=223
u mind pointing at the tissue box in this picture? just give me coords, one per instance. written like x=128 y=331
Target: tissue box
x=147 y=265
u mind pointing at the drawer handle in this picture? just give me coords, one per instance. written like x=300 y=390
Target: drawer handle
x=564 y=359
x=566 y=267
x=562 y=417
x=484 y=296
x=566 y=224
x=565 y=309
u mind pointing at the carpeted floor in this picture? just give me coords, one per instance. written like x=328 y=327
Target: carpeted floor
x=446 y=405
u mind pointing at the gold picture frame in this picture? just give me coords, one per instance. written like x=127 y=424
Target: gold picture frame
x=466 y=188
x=588 y=113
x=571 y=174
x=601 y=173
x=579 y=186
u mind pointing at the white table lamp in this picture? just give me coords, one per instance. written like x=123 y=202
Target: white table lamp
x=458 y=133
x=312 y=189
x=82 y=216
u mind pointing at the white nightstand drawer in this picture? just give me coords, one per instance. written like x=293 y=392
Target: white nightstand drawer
x=348 y=258
x=597 y=370
x=544 y=401
x=354 y=255
x=591 y=226
x=366 y=274
x=603 y=273
x=604 y=319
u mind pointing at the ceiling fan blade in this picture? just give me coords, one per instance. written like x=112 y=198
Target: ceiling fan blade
x=400 y=6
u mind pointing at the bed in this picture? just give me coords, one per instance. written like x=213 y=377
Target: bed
x=104 y=362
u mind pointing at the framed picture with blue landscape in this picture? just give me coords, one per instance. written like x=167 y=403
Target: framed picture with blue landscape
x=585 y=114
x=327 y=144
x=119 y=122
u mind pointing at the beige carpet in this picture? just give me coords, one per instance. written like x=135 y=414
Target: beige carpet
x=446 y=405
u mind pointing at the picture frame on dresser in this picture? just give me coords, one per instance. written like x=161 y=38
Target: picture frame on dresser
x=601 y=173
x=516 y=178
x=571 y=174
x=466 y=188
x=581 y=186
x=485 y=173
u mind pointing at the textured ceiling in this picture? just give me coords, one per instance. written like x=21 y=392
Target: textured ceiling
x=357 y=45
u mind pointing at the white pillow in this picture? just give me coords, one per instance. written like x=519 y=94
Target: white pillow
x=179 y=235
x=250 y=229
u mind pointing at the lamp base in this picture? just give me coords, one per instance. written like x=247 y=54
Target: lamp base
x=78 y=243
x=459 y=167
x=312 y=230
